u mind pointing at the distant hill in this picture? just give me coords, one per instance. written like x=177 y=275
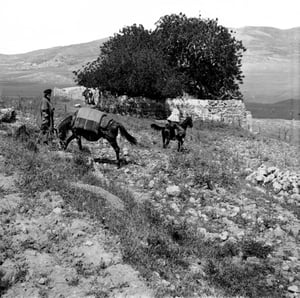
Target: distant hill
x=271 y=66
x=26 y=74
x=287 y=109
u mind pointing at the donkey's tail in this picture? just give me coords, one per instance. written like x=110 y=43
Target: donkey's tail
x=156 y=127
x=127 y=135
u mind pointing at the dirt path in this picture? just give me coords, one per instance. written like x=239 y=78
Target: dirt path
x=54 y=251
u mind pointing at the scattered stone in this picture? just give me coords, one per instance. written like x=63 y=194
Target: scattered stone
x=173 y=190
x=278 y=232
x=79 y=234
x=224 y=235
x=291 y=279
x=295 y=230
x=165 y=283
x=260 y=178
x=42 y=281
x=57 y=210
x=191 y=212
x=270 y=281
x=285 y=267
x=295 y=197
x=192 y=200
x=89 y=243
x=196 y=268
x=125 y=151
x=202 y=231
x=175 y=207
x=9 y=270
x=294 y=289
x=281 y=181
x=151 y=184
x=155 y=274
x=234 y=212
x=7 y=115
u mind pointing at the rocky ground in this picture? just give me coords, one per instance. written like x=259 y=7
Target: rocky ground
x=56 y=251
x=52 y=250
x=265 y=208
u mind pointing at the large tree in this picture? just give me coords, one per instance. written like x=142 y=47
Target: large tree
x=130 y=64
x=194 y=55
x=206 y=53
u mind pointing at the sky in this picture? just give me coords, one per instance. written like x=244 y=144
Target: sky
x=27 y=25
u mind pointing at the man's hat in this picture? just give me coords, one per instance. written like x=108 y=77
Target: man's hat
x=47 y=91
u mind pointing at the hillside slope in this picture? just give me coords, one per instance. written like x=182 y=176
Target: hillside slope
x=286 y=109
x=26 y=74
x=271 y=65
x=192 y=225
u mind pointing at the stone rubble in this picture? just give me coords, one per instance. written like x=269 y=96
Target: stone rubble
x=286 y=183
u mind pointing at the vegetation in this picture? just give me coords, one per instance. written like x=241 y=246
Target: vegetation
x=149 y=242
x=182 y=54
x=154 y=240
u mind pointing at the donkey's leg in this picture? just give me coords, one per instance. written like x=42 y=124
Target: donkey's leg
x=163 y=139
x=114 y=144
x=166 y=139
x=180 y=144
x=79 y=143
x=71 y=138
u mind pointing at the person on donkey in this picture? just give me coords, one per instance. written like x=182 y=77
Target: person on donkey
x=174 y=120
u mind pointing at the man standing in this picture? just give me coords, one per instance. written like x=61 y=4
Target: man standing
x=47 y=113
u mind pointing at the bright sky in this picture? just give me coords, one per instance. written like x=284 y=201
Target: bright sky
x=27 y=25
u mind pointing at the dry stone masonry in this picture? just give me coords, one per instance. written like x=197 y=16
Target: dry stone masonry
x=282 y=182
x=227 y=111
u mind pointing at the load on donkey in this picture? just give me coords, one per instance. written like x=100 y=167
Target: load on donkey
x=92 y=124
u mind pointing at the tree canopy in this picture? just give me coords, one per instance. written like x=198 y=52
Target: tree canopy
x=181 y=54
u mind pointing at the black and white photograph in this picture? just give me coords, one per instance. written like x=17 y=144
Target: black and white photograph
x=150 y=149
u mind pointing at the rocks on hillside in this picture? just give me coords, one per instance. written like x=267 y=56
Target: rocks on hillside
x=282 y=182
x=173 y=190
x=7 y=115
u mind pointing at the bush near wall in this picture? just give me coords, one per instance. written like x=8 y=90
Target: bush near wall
x=138 y=107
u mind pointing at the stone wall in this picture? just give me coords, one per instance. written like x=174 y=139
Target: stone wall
x=138 y=106
x=69 y=92
x=228 y=111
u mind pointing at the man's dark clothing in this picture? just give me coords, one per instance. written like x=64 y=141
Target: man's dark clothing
x=47 y=113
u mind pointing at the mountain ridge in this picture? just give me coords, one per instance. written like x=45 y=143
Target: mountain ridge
x=271 y=65
x=286 y=109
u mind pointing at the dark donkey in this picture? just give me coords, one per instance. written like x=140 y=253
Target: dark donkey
x=110 y=133
x=180 y=132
